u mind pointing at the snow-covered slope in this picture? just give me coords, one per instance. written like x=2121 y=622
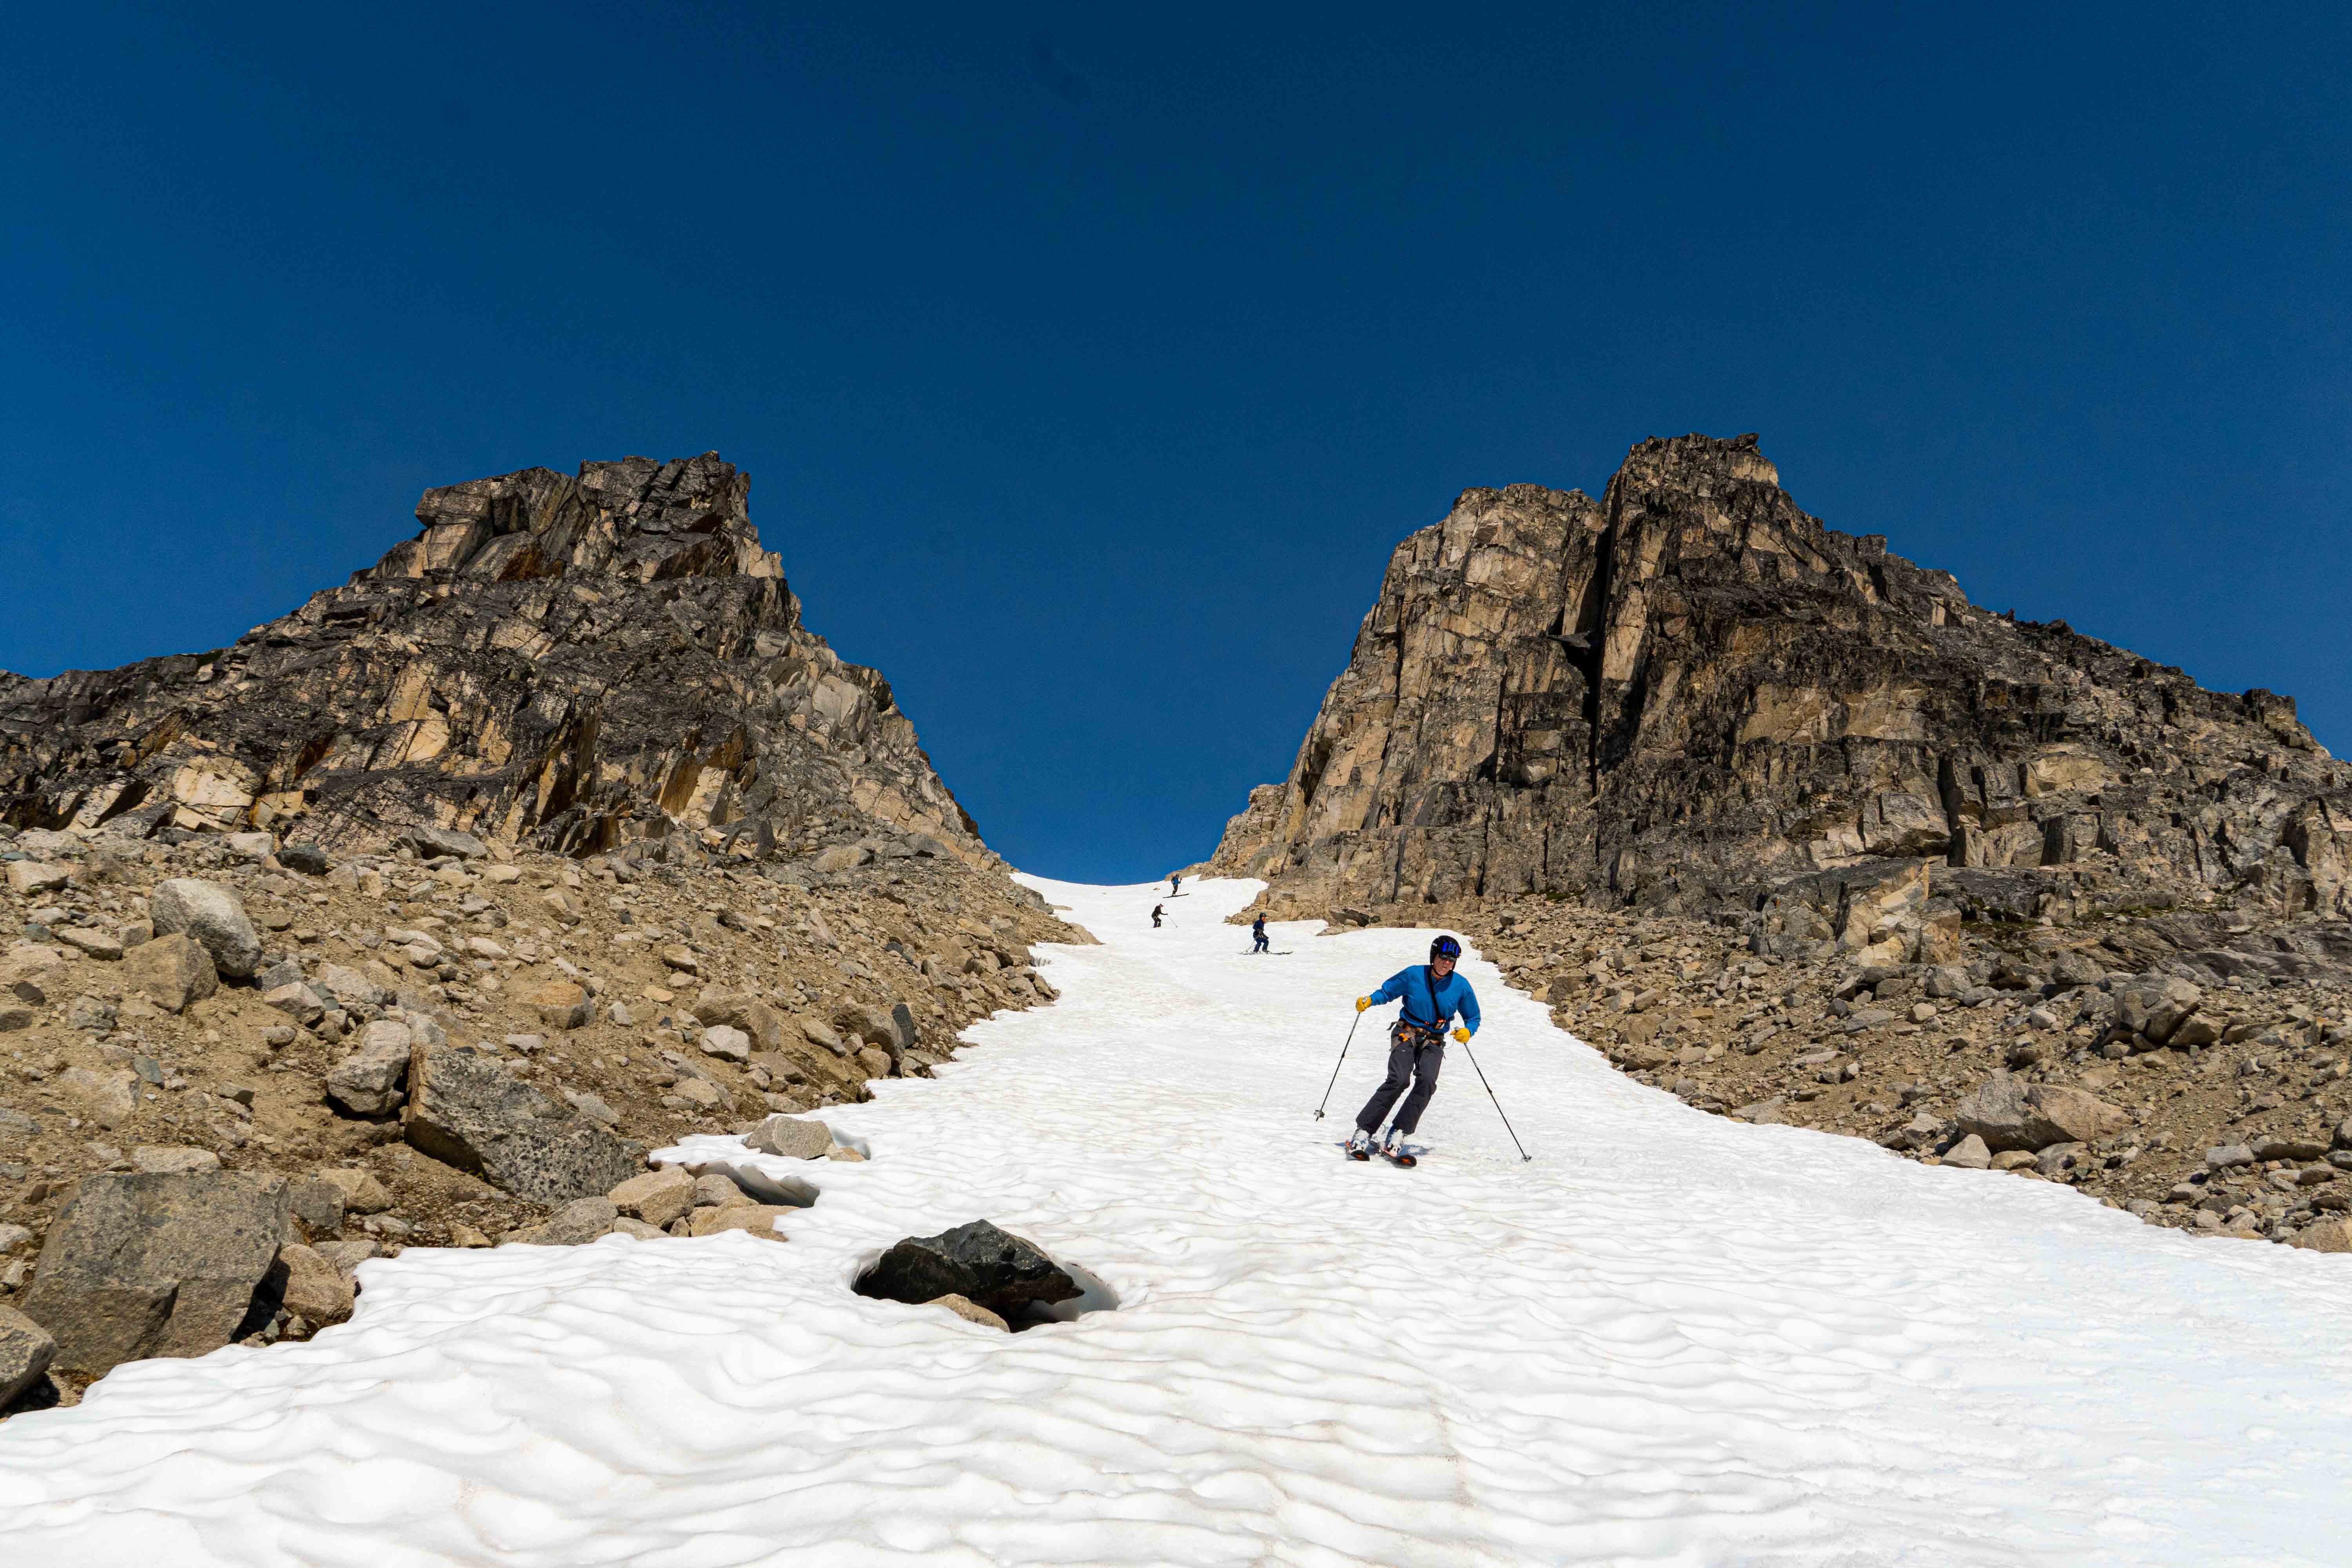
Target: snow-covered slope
x=1670 y=1339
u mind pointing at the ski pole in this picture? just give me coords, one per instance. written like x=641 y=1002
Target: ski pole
x=1338 y=1065
x=1490 y=1095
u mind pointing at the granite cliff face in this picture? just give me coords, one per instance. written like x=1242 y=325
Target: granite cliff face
x=1692 y=697
x=568 y=662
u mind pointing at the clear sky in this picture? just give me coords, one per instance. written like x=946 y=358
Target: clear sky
x=1088 y=361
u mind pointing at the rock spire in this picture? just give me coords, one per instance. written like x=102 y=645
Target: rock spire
x=1690 y=695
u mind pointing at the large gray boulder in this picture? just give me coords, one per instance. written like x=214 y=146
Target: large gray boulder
x=155 y=1266
x=467 y=1111
x=2008 y=1113
x=212 y=915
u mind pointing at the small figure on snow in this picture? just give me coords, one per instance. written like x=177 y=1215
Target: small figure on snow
x=1257 y=931
x=1432 y=994
x=1155 y=916
x=1174 y=882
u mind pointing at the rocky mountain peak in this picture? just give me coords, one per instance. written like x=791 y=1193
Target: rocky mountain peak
x=635 y=518
x=569 y=662
x=1692 y=695
x=1698 y=463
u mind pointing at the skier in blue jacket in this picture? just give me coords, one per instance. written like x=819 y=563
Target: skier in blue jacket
x=1432 y=994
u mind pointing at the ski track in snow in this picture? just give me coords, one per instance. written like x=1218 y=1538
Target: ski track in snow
x=1671 y=1339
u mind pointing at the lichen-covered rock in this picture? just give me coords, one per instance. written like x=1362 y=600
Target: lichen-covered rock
x=467 y=1111
x=1688 y=693
x=154 y=1266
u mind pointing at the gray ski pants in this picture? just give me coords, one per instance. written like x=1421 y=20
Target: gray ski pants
x=1414 y=1057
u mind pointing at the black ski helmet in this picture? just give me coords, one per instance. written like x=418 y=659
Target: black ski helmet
x=1444 y=947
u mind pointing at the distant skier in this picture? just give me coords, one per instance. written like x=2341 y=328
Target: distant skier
x=1174 y=882
x=1258 y=930
x=1432 y=994
x=1155 y=916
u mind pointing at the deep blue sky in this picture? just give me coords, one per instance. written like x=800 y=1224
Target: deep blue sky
x=1087 y=369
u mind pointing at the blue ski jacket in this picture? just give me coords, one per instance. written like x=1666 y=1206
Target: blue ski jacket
x=1413 y=985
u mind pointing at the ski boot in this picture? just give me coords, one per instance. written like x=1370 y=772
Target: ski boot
x=1359 y=1144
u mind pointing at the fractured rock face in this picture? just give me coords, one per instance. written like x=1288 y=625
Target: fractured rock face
x=466 y=1110
x=1689 y=694
x=571 y=660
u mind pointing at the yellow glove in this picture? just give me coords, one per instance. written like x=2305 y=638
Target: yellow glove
x=1362 y=1003
x=1461 y=1037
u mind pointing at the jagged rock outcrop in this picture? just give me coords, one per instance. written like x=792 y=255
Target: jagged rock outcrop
x=1691 y=696
x=569 y=662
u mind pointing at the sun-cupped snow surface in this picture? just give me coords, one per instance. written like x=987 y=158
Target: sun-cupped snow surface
x=1668 y=1339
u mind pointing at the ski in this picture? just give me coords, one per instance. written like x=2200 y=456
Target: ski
x=1403 y=1158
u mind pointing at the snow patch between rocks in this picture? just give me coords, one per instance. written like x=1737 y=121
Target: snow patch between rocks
x=1671 y=1339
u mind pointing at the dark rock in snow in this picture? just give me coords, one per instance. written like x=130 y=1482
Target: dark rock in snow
x=999 y=1270
x=1691 y=695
